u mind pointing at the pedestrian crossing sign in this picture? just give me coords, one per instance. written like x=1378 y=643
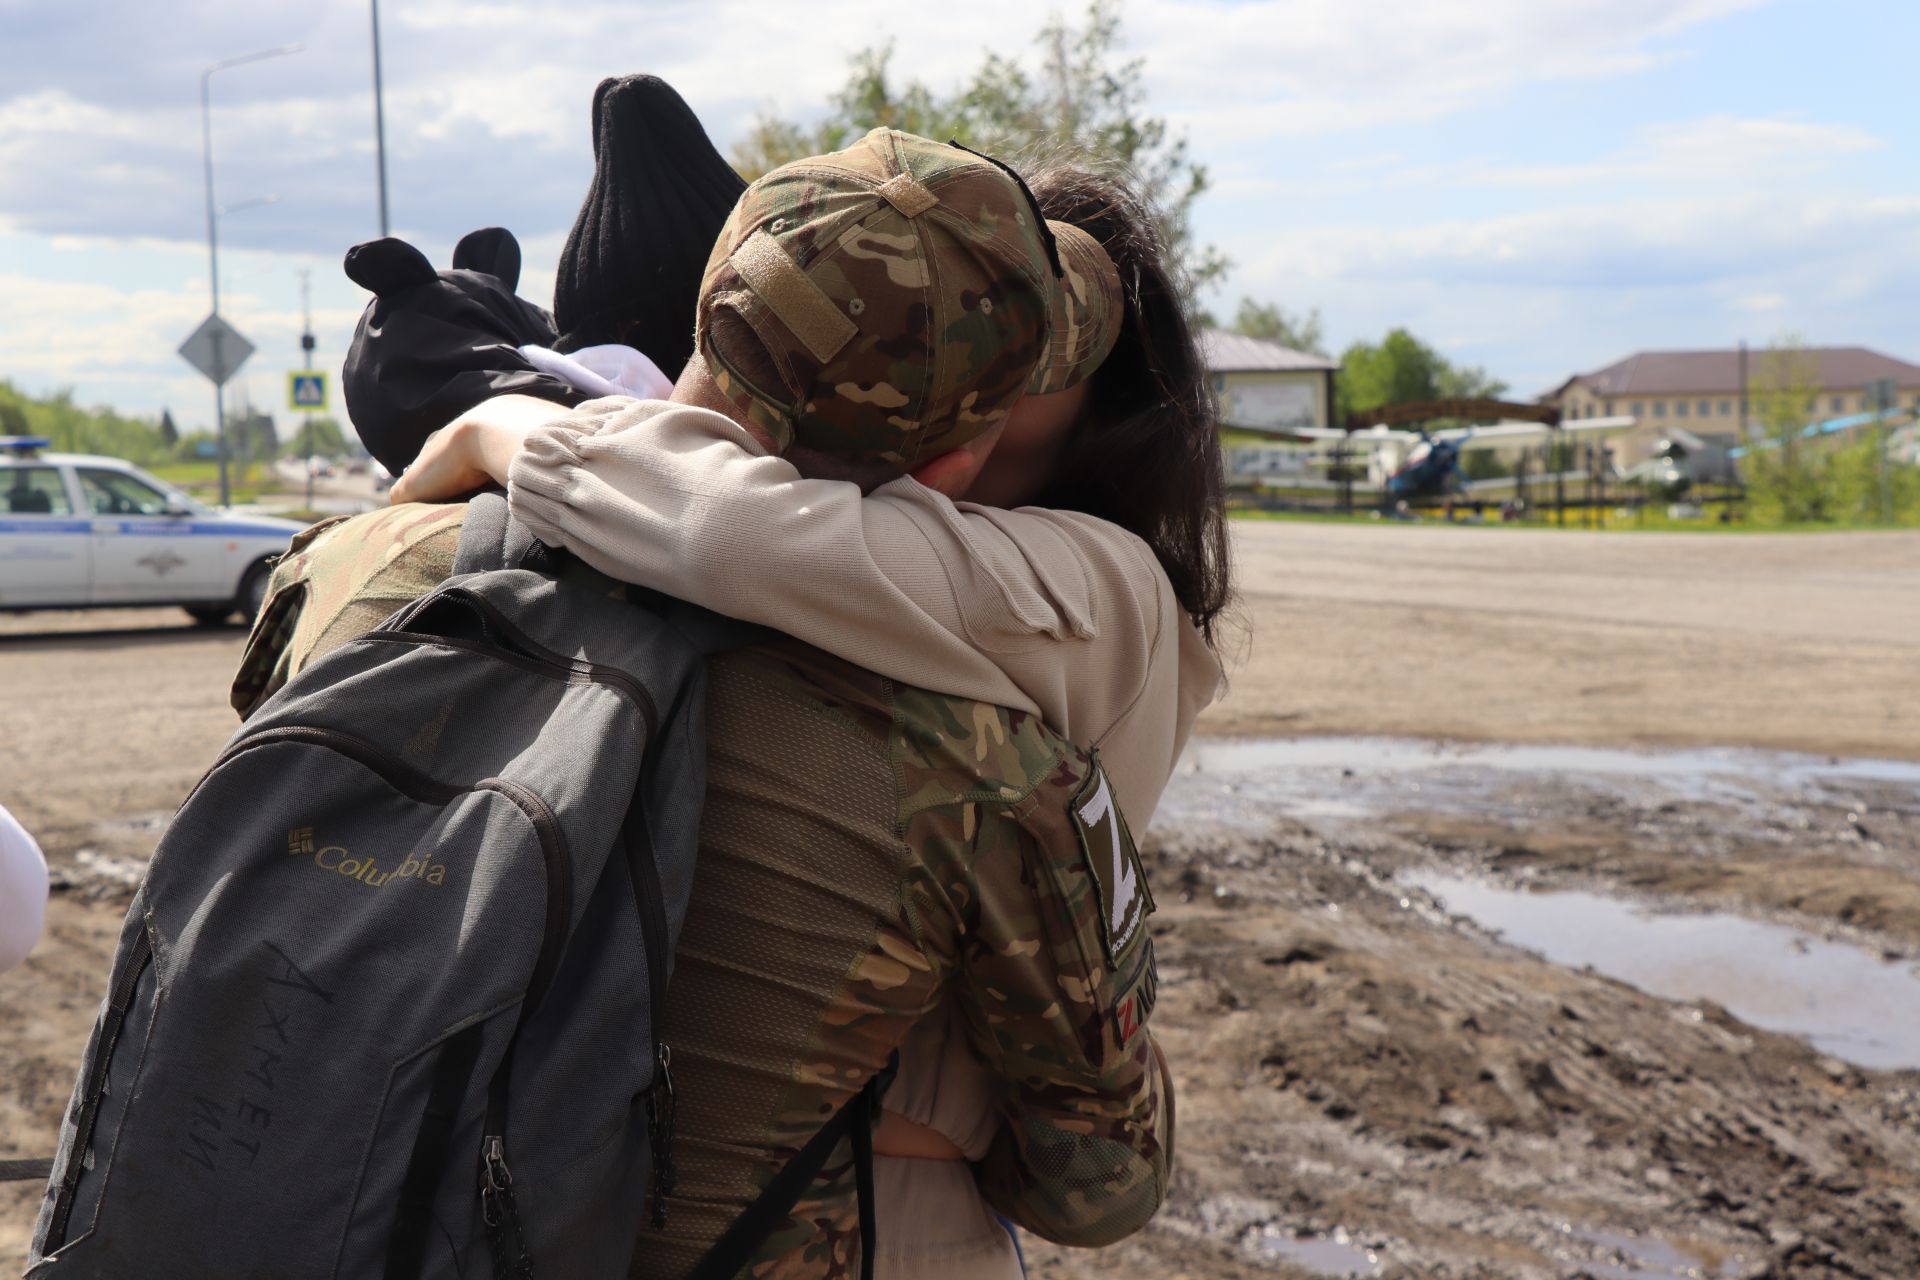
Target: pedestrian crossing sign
x=306 y=390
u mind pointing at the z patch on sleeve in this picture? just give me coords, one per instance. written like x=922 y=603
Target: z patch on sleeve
x=1114 y=864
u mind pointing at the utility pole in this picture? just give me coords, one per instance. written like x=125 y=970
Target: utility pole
x=306 y=347
x=213 y=270
x=379 y=119
x=1881 y=392
x=213 y=238
x=1558 y=460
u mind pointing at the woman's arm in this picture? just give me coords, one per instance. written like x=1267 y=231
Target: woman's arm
x=1045 y=611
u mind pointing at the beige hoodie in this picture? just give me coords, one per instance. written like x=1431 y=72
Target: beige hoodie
x=1048 y=611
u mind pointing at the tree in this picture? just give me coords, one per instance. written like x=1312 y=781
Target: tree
x=1468 y=382
x=327 y=441
x=1787 y=476
x=1270 y=321
x=1080 y=104
x=76 y=430
x=169 y=434
x=1399 y=370
x=251 y=437
x=1402 y=369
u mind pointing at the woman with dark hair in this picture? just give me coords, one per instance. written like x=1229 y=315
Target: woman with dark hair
x=1141 y=448
x=1081 y=574
x=1079 y=571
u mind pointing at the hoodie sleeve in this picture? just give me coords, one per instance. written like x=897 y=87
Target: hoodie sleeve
x=1039 y=610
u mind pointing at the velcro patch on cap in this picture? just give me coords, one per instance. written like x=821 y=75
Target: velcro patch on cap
x=1114 y=863
x=795 y=300
x=907 y=195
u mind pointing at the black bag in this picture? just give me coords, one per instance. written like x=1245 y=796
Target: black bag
x=386 y=1001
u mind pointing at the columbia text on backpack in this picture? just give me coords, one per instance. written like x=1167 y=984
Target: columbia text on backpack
x=384 y=1004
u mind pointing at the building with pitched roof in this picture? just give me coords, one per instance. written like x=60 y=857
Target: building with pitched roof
x=1702 y=389
x=1267 y=388
x=1702 y=392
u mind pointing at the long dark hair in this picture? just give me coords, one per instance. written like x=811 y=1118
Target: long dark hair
x=1145 y=451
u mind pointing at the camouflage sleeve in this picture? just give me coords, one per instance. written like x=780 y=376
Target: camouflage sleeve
x=1057 y=981
x=341 y=579
x=264 y=665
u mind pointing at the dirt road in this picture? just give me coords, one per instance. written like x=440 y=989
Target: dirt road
x=1803 y=642
x=1369 y=1085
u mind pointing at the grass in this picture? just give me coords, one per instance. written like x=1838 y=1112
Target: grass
x=201 y=478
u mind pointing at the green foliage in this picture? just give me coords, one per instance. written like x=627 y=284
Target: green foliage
x=250 y=435
x=1401 y=369
x=1270 y=321
x=76 y=430
x=1397 y=370
x=1787 y=478
x=328 y=440
x=1080 y=103
x=1864 y=491
x=1468 y=382
x=169 y=434
x=1799 y=480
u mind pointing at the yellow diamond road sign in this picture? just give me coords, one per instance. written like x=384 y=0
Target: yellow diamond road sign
x=306 y=390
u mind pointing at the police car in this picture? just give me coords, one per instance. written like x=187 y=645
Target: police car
x=80 y=532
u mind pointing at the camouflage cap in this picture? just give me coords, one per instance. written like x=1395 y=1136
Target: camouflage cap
x=893 y=300
x=1086 y=311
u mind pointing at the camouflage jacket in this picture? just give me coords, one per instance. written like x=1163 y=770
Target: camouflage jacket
x=868 y=850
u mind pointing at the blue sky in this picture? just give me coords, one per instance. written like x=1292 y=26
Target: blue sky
x=1537 y=186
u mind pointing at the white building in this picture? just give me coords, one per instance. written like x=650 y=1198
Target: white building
x=1267 y=388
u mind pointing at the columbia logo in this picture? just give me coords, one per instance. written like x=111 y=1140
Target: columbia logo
x=300 y=841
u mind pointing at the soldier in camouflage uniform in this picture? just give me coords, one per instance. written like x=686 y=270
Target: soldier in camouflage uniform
x=868 y=850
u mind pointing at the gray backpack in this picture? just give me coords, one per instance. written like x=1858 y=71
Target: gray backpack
x=385 y=1002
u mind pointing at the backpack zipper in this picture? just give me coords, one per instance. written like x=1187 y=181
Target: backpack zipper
x=88 y=1111
x=511 y=639
x=499 y=1212
x=500 y=1215
x=643 y=869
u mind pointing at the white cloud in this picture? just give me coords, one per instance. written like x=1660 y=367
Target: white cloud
x=1687 y=240
x=1335 y=66
x=1716 y=148
x=487 y=123
x=1545 y=293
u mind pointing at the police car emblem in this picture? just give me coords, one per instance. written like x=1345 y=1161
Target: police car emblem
x=161 y=562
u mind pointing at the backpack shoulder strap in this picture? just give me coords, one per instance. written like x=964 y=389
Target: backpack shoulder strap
x=490 y=538
x=749 y=1231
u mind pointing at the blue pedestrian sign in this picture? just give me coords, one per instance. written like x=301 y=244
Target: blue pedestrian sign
x=306 y=390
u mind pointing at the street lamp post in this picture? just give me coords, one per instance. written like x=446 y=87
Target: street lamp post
x=379 y=119
x=213 y=236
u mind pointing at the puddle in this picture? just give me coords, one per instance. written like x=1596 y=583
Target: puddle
x=1335 y=1255
x=1647 y=1258
x=1848 y=1002
x=1405 y=755
x=1245 y=784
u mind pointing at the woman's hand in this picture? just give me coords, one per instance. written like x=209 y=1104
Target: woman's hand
x=472 y=451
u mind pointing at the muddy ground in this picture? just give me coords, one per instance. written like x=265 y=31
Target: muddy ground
x=1368 y=1083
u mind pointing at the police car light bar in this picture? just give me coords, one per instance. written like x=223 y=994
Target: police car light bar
x=24 y=446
